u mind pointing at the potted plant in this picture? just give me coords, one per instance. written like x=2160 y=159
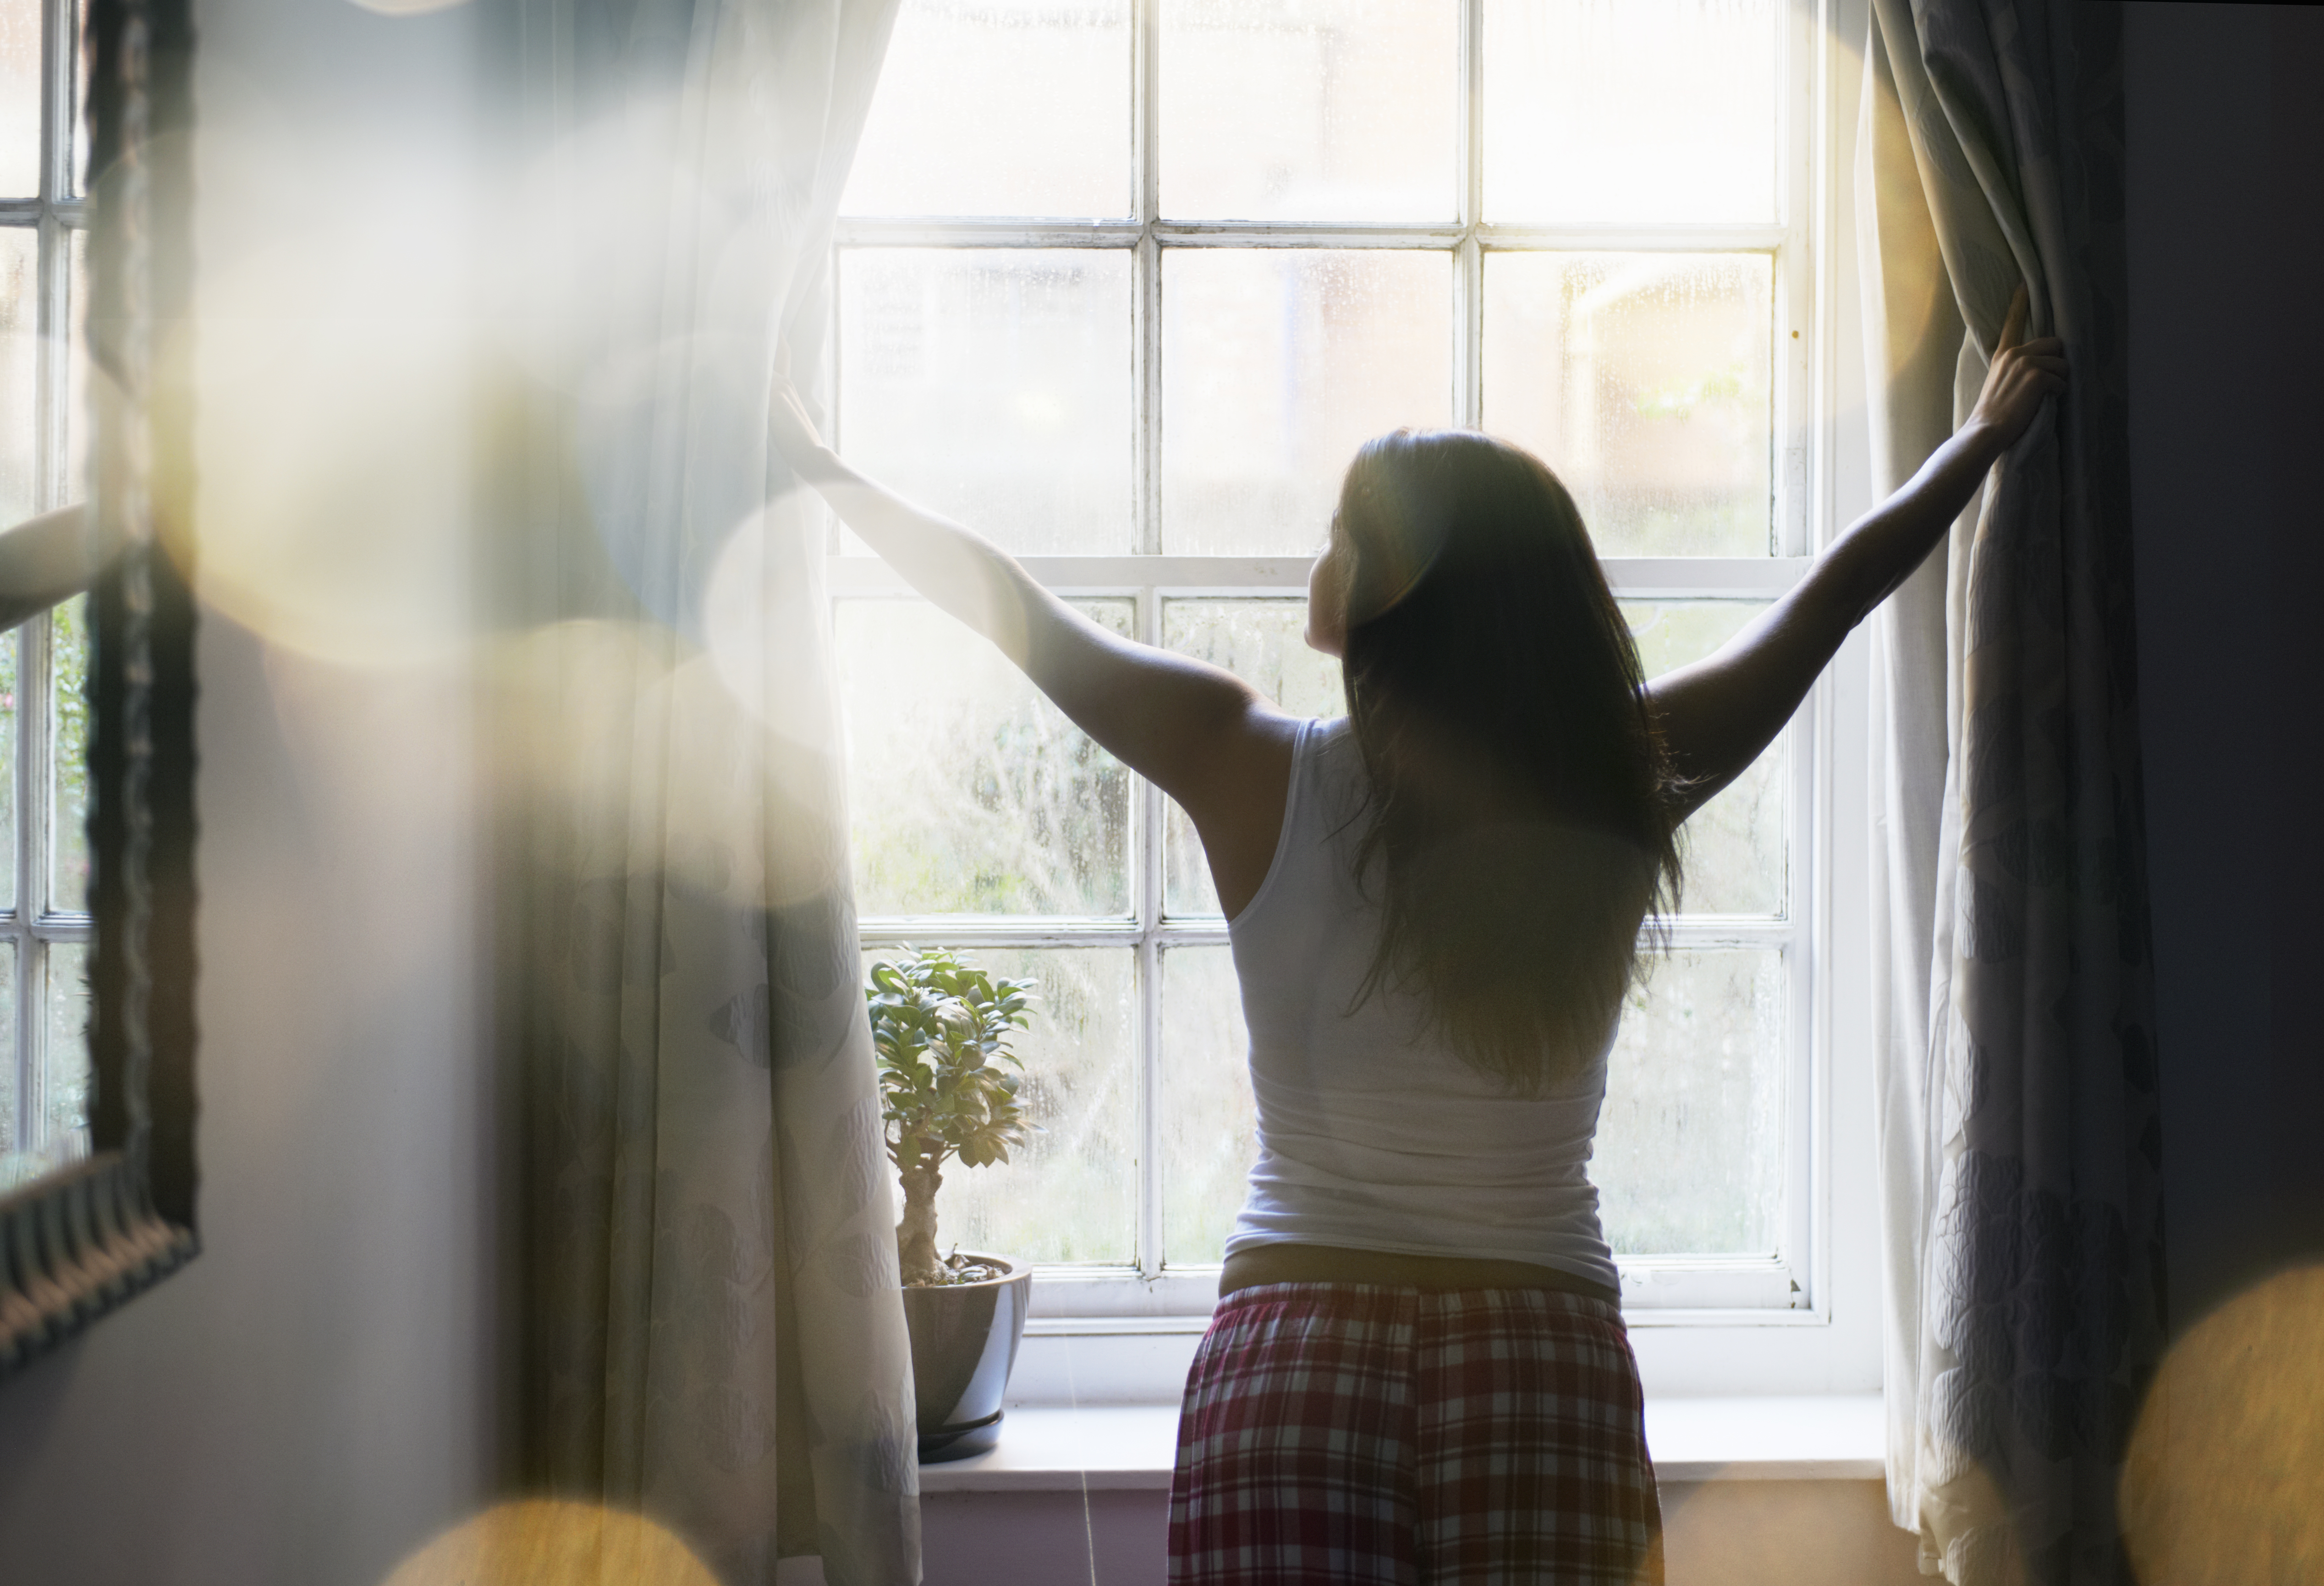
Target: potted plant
x=948 y=1087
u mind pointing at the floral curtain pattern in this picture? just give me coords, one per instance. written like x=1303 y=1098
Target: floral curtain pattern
x=2019 y=1121
x=713 y=1333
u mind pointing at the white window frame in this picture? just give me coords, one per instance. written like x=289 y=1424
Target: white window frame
x=1709 y=1299
x=55 y=214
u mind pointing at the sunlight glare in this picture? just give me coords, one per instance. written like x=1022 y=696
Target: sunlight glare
x=545 y=1541
x=2224 y=1481
x=334 y=504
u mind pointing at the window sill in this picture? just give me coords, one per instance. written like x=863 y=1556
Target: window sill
x=1836 y=1437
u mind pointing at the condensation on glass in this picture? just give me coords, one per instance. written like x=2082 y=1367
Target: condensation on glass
x=76 y=415
x=20 y=99
x=1309 y=109
x=1210 y=1122
x=1070 y=1193
x=1645 y=381
x=1631 y=110
x=68 y=734
x=11 y=655
x=1689 y=1159
x=20 y=364
x=17 y=1166
x=1276 y=364
x=993 y=385
x=970 y=793
x=1002 y=107
x=1690 y=1153
x=1002 y=379
x=65 y=1062
x=1734 y=846
x=1263 y=642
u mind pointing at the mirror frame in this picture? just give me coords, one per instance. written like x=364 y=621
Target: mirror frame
x=82 y=1241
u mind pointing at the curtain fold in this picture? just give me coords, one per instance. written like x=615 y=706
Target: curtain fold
x=2018 y=1120
x=713 y=1333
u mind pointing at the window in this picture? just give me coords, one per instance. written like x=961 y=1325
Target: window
x=44 y=923
x=1125 y=284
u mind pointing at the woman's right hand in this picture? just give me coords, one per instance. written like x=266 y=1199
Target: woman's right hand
x=2021 y=376
x=788 y=424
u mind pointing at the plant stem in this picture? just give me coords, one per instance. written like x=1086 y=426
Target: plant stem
x=916 y=1235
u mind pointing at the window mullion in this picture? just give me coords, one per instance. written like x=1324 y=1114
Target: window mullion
x=55 y=98
x=1149 y=1251
x=1471 y=161
x=1468 y=336
x=1152 y=880
x=1467 y=258
x=1145 y=354
x=1145 y=107
x=1145 y=274
x=1691 y=932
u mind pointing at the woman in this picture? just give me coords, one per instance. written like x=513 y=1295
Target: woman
x=1418 y=1369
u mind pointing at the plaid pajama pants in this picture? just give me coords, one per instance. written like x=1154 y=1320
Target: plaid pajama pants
x=1349 y=1432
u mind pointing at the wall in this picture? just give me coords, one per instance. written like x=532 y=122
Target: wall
x=2224 y=347
x=311 y=1397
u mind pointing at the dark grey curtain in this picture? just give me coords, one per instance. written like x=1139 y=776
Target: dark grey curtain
x=714 y=1334
x=2020 y=1126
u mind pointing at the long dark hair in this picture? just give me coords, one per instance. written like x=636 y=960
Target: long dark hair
x=1517 y=823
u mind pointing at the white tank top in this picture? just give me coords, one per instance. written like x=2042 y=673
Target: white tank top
x=1373 y=1135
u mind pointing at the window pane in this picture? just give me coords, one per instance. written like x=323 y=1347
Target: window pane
x=17 y=1166
x=1643 y=110
x=20 y=99
x=1259 y=641
x=9 y=684
x=1690 y=1146
x=1295 y=110
x=1275 y=364
x=66 y=1070
x=1735 y=844
x=79 y=422
x=20 y=341
x=69 y=757
x=1644 y=378
x=1210 y=1127
x=999 y=107
x=970 y=793
x=993 y=386
x=1071 y=1193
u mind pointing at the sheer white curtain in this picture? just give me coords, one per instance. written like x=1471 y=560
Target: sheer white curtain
x=715 y=1335
x=2018 y=1117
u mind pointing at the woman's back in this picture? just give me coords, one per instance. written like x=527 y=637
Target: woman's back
x=1373 y=1133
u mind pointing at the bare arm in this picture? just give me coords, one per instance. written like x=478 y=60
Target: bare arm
x=1201 y=734
x=46 y=559
x=1720 y=713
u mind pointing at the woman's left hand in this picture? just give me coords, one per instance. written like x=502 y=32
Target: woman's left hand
x=2023 y=374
